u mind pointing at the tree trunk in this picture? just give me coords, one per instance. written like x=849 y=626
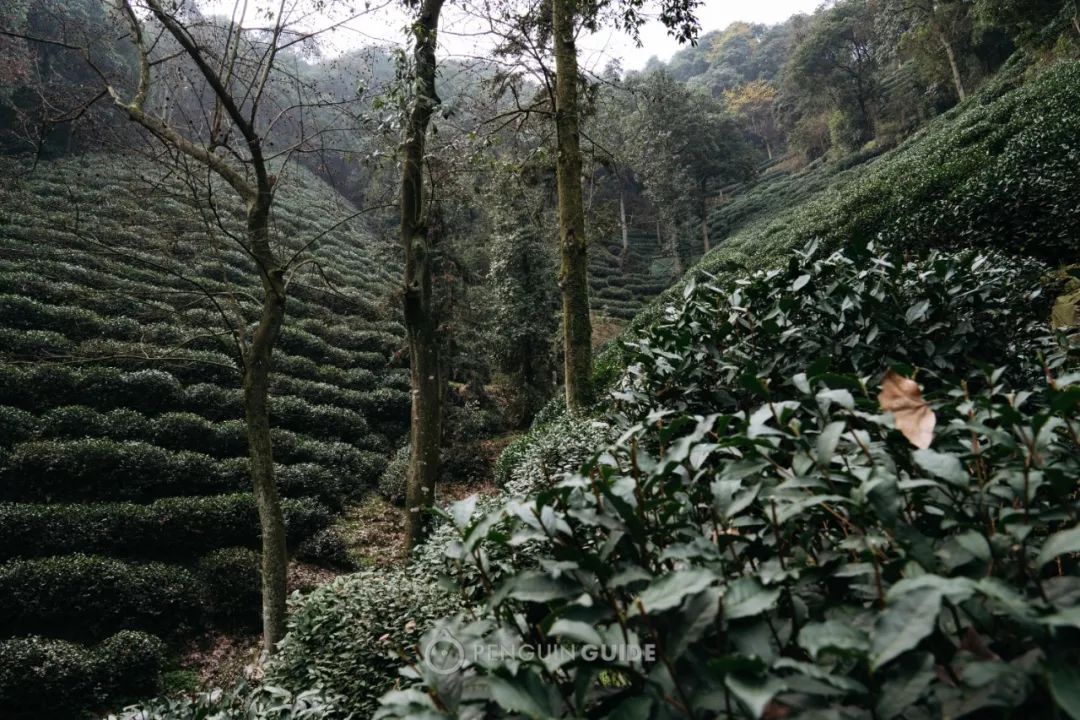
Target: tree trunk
x=958 y=82
x=704 y=222
x=257 y=416
x=673 y=249
x=425 y=432
x=573 y=275
x=625 y=229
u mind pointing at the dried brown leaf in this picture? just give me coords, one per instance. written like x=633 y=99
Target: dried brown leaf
x=913 y=417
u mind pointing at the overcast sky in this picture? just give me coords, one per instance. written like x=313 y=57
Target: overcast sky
x=461 y=33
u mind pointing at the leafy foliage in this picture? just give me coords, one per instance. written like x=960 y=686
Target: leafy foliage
x=346 y=635
x=789 y=552
x=42 y=677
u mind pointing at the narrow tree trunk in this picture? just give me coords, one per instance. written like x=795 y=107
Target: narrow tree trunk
x=673 y=249
x=704 y=222
x=768 y=149
x=659 y=234
x=958 y=82
x=257 y=416
x=625 y=229
x=425 y=432
x=573 y=275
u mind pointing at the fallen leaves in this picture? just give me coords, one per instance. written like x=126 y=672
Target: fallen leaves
x=913 y=417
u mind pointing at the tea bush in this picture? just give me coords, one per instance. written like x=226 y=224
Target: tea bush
x=171 y=528
x=233 y=589
x=41 y=677
x=392 y=483
x=764 y=527
x=86 y=597
x=346 y=635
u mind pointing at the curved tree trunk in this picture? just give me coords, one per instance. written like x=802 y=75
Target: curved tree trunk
x=573 y=245
x=425 y=432
x=257 y=416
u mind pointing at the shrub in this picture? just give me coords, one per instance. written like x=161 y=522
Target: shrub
x=171 y=528
x=41 y=677
x=16 y=425
x=791 y=552
x=78 y=421
x=98 y=468
x=188 y=431
x=392 y=483
x=545 y=453
x=238 y=702
x=328 y=548
x=87 y=597
x=231 y=580
x=343 y=635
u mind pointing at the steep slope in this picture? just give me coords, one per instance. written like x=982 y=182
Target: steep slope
x=620 y=286
x=1000 y=170
x=124 y=500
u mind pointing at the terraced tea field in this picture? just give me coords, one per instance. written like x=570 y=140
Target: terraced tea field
x=124 y=502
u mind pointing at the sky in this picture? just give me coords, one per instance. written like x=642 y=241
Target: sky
x=462 y=32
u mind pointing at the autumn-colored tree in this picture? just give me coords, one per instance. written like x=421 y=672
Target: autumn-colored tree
x=754 y=103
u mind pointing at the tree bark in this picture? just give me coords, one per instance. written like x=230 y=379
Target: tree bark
x=257 y=416
x=573 y=245
x=425 y=432
x=958 y=82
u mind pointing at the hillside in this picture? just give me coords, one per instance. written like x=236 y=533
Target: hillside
x=124 y=495
x=745 y=499
x=830 y=481
x=619 y=287
x=1002 y=170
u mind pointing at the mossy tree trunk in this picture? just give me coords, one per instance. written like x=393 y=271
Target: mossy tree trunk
x=573 y=244
x=425 y=433
x=257 y=365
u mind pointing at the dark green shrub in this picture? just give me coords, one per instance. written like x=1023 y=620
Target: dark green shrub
x=188 y=431
x=327 y=547
x=762 y=525
x=46 y=678
x=213 y=402
x=170 y=528
x=343 y=635
x=231 y=580
x=98 y=469
x=392 y=483
x=77 y=421
x=33 y=344
x=24 y=313
x=130 y=663
x=322 y=421
x=16 y=426
x=87 y=597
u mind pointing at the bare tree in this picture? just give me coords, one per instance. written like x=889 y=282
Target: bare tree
x=417 y=232
x=228 y=138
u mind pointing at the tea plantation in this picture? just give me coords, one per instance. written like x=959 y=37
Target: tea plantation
x=126 y=520
x=1001 y=170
